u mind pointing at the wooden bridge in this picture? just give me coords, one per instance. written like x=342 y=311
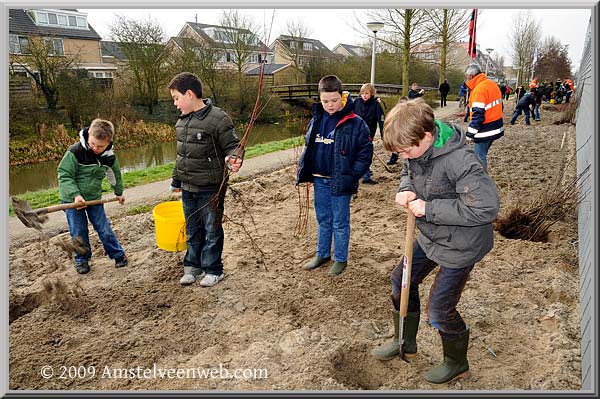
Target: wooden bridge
x=311 y=90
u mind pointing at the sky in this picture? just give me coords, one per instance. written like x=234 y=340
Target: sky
x=347 y=26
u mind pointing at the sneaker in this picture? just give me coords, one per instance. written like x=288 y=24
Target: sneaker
x=370 y=181
x=121 y=261
x=190 y=275
x=337 y=268
x=82 y=268
x=211 y=279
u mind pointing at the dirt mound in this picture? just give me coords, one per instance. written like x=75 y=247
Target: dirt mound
x=308 y=330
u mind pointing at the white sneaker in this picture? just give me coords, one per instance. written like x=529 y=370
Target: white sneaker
x=190 y=275
x=211 y=279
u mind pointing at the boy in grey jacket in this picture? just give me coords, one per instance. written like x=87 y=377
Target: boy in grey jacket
x=444 y=184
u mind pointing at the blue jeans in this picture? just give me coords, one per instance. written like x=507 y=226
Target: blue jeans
x=536 y=112
x=518 y=112
x=204 y=229
x=333 y=219
x=444 y=294
x=481 y=150
x=78 y=227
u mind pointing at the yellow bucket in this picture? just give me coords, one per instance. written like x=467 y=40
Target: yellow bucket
x=169 y=225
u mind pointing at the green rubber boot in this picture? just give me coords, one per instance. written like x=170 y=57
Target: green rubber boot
x=391 y=348
x=455 y=363
x=337 y=268
x=315 y=262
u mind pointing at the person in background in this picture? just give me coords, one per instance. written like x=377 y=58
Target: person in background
x=454 y=201
x=444 y=89
x=206 y=143
x=337 y=152
x=524 y=106
x=80 y=175
x=415 y=92
x=368 y=107
x=485 y=105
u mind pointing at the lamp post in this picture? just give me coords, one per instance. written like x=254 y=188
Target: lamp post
x=489 y=51
x=374 y=27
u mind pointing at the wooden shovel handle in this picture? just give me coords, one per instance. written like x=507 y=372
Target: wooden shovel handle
x=407 y=266
x=61 y=207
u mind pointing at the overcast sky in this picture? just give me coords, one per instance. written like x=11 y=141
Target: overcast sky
x=345 y=25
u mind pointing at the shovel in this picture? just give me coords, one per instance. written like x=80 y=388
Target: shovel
x=35 y=218
x=406 y=268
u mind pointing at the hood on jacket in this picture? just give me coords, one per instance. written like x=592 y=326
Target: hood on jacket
x=347 y=106
x=84 y=135
x=447 y=137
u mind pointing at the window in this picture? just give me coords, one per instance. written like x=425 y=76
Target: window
x=57 y=19
x=18 y=44
x=255 y=58
x=307 y=46
x=293 y=45
x=54 y=46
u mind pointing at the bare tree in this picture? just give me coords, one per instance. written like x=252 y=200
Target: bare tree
x=444 y=27
x=297 y=32
x=201 y=59
x=553 y=60
x=525 y=38
x=405 y=30
x=142 y=43
x=239 y=36
x=44 y=62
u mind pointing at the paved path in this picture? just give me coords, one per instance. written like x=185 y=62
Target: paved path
x=157 y=191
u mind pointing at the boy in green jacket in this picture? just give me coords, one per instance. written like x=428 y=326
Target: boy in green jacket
x=80 y=175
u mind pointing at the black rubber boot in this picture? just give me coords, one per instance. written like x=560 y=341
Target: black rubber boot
x=391 y=348
x=393 y=159
x=316 y=262
x=455 y=363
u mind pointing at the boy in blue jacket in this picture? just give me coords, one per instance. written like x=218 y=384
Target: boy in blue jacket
x=337 y=152
x=368 y=107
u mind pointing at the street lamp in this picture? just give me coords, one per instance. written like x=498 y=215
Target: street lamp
x=489 y=51
x=374 y=27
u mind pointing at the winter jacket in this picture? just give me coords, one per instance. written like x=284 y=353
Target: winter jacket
x=485 y=105
x=462 y=91
x=444 y=88
x=525 y=101
x=371 y=112
x=461 y=199
x=415 y=93
x=204 y=139
x=81 y=171
x=353 y=149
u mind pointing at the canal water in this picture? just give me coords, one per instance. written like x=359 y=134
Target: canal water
x=43 y=175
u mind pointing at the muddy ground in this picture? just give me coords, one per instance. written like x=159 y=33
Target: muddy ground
x=308 y=330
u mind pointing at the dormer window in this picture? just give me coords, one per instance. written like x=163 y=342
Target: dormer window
x=307 y=46
x=59 y=19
